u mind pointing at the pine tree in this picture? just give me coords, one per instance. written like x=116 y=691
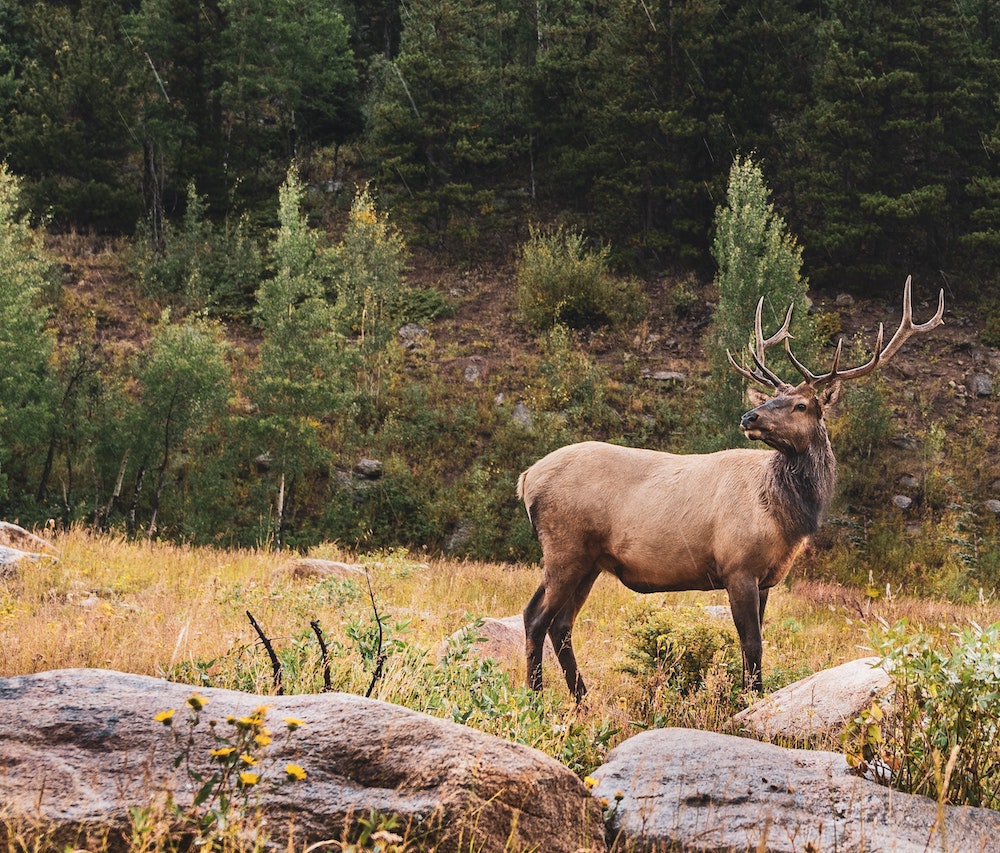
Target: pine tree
x=756 y=257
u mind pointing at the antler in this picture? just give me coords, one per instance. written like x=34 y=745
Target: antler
x=762 y=375
x=906 y=329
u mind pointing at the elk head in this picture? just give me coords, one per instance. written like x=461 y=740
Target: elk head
x=788 y=419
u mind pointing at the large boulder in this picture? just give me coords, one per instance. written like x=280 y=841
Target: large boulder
x=17 y=544
x=499 y=639
x=80 y=748
x=701 y=791
x=819 y=705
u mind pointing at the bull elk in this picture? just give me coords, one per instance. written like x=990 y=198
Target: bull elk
x=660 y=522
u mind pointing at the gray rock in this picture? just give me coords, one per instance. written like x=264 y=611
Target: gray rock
x=908 y=481
x=368 y=469
x=993 y=505
x=16 y=536
x=668 y=376
x=979 y=385
x=902 y=501
x=818 y=705
x=523 y=416
x=80 y=748
x=702 y=791
x=413 y=335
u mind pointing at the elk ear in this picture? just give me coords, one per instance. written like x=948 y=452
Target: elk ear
x=756 y=396
x=828 y=396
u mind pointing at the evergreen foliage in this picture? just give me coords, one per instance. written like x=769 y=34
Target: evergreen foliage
x=757 y=258
x=26 y=391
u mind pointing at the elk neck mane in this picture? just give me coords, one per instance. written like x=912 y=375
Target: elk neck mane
x=800 y=487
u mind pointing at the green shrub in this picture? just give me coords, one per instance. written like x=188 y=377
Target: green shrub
x=562 y=281
x=680 y=645
x=935 y=734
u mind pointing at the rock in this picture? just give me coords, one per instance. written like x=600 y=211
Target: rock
x=979 y=385
x=908 y=481
x=993 y=505
x=311 y=568
x=668 y=376
x=460 y=536
x=500 y=639
x=17 y=537
x=17 y=544
x=817 y=705
x=702 y=791
x=902 y=501
x=413 y=335
x=522 y=416
x=80 y=748
x=10 y=556
x=368 y=469
x=844 y=300
x=904 y=442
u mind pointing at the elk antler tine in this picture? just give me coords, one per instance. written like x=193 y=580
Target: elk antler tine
x=772 y=378
x=739 y=368
x=807 y=374
x=836 y=357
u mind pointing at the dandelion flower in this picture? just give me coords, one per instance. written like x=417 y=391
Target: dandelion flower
x=197 y=702
x=295 y=773
x=166 y=717
x=293 y=723
x=248 y=779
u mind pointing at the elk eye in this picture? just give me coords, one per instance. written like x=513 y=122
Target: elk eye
x=801 y=407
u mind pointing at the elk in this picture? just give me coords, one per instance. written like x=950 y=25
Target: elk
x=662 y=522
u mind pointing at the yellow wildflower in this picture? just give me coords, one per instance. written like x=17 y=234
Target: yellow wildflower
x=197 y=702
x=295 y=773
x=589 y=781
x=248 y=779
x=248 y=759
x=222 y=752
x=262 y=738
x=293 y=723
x=166 y=717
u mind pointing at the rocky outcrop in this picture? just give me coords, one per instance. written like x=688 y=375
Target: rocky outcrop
x=701 y=791
x=18 y=544
x=315 y=569
x=818 y=705
x=80 y=748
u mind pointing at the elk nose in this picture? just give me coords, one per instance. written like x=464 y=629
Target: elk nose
x=748 y=419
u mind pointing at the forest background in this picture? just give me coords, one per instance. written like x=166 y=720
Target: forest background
x=216 y=216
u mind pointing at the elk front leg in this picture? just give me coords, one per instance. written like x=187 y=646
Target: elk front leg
x=746 y=601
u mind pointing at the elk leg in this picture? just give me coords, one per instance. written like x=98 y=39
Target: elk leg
x=561 y=634
x=746 y=601
x=535 y=625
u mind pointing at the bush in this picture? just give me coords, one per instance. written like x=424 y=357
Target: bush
x=936 y=733
x=680 y=645
x=562 y=281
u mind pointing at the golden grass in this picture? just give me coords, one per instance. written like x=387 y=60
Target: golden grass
x=153 y=608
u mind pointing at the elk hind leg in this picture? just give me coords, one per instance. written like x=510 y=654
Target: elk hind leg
x=561 y=634
x=536 y=623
